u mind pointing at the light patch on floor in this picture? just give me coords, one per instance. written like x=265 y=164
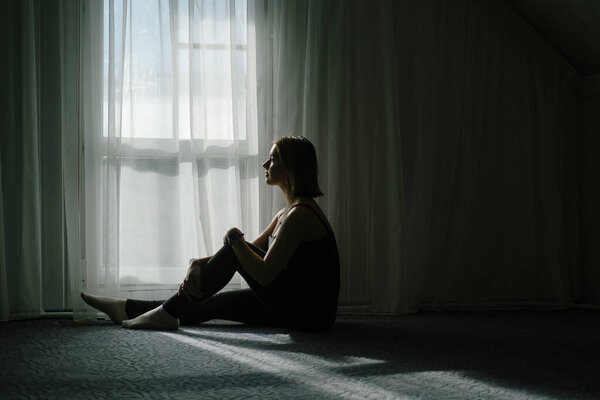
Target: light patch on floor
x=323 y=374
x=309 y=372
x=278 y=338
x=282 y=339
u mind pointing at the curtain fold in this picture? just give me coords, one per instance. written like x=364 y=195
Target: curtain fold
x=30 y=292
x=69 y=22
x=21 y=208
x=446 y=134
x=39 y=206
x=4 y=307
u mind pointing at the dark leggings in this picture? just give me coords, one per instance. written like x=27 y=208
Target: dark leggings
x=256 y=306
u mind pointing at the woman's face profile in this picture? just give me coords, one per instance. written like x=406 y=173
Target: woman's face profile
x=275 y=172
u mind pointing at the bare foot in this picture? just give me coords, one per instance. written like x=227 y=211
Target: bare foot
x=153 y=319
x=114 y=308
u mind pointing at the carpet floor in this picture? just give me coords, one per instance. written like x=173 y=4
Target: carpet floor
x=449 y=355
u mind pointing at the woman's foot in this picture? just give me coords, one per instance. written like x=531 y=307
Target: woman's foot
x=153 y=319
x=114 y=308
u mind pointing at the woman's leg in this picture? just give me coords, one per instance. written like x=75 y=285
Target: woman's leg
x=119 y=310
x=135 y=308
x=235 y=305
x=114 y=308
x=122 y=311
x=215 y=274
x=157 y=318
x=219 y=270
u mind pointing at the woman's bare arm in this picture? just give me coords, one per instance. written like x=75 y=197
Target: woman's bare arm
x=191 y=283
x=262 y=241
x=289 y=236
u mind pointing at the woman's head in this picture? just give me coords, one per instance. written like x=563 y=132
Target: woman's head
x=293 y=162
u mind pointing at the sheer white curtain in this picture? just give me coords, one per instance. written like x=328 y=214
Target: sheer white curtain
x=173 y=161
x=447 y=137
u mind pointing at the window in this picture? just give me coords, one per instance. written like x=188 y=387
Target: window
x=177 y=162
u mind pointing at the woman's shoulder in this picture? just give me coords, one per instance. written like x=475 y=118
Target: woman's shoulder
x=303 y=207
x=280 y=214
x=312 y=218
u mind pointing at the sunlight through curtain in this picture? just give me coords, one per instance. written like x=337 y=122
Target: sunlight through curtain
x=173 y=161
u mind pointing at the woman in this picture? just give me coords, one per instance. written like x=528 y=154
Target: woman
x=294 y=284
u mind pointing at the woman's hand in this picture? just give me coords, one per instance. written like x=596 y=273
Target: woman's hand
x=230 y=232
x=191 y=283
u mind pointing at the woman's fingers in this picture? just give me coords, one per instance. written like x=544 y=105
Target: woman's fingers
x=231 y=231
x=191 y=283
x=182 y=292
x=186 y=290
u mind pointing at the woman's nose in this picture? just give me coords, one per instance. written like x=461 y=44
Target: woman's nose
x=266 y=164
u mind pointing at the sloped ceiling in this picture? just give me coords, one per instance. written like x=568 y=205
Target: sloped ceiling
x=571 y=26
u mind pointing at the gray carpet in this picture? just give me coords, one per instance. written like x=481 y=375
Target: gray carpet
x=451 y=355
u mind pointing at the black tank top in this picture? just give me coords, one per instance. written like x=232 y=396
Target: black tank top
x=310 y=283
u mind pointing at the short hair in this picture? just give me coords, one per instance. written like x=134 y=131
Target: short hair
x=299 y=157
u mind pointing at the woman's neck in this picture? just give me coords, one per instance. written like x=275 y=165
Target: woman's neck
x=297 y=200
x=291 y=198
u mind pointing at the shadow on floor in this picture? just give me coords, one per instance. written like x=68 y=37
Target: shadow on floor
x=554 y=353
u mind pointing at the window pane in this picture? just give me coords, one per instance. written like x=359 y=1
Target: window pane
x=162 y=227
x=210 y=105
x=155 y=241
x=240 y=22
x=147 y=102
x=182 y=21
x=214 y=20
